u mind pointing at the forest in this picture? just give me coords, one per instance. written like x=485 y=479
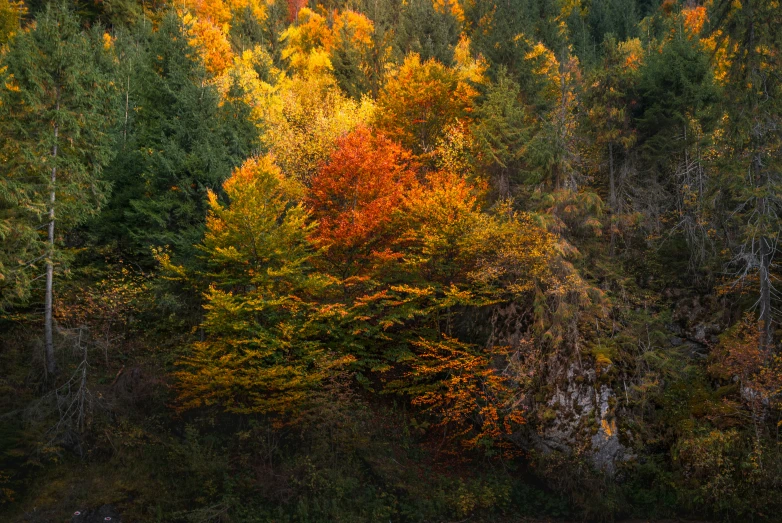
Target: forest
x=390 y=260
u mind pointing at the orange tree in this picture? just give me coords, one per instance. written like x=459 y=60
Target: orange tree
x=421 y=254
x=409 y=327
x=353 y=197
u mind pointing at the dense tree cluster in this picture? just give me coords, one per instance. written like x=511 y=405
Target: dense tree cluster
x=268 y=260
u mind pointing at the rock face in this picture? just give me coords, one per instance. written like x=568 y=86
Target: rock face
x=578 y=415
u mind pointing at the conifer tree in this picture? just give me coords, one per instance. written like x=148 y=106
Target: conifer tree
x=430 y=32
x=54 y=141
x=500 y=130
x=748 y=35
x=609 y=101
x=181 y=142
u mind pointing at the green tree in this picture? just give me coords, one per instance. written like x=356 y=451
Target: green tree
x=427 y=31
x=500 y=130
x=263 y=350
x=54 y=141
x=674 y=117
x=750 y=43
x=178 y=142
x=608 y=104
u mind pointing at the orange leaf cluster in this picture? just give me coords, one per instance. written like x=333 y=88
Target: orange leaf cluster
x=355 y=194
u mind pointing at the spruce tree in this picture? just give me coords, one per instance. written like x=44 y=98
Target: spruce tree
x=54 y=143
x=182 y=140
x=750 y=42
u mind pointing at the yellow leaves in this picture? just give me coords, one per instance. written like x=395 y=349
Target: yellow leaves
x=353 y=26
x=221 y=12
x=213 y=43
x=304 y=120
x=469 y=69
x=633 y=52
x=420 y=100
x=108 y=41
x=243 y=73
x=571 y=6
x=208 y=23
x=307 y=43
x=450 y=6
x=546 y=63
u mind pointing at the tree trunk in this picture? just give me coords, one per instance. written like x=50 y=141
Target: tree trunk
x=612 y=194
x=765 y=254
x=766 y=331
x=51 y=364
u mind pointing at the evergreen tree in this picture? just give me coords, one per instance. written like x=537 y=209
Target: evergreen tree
x=676 y=91
x=751 y=45
x=54 y=141
x=609 y=101
x=501 y=128
x=425 y=30
x=181 y=142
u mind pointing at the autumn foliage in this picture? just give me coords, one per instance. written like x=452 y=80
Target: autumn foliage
x=354 y=197
x=263 y=353
x=420 y=100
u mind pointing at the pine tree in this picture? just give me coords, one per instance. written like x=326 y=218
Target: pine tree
x=748 y=35
x=55 y=141
x=430 y=32
x=608 y=102
x=501 y=128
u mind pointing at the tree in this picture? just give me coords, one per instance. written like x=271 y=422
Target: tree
x=54 y=141
x=304 y=120
x=182 y=140
x=10 y=17
x=504 y=32
x=413 y=326
x=352 y=51
x=428 y=30
x=354 y=196
x=420 y=100
x=748 y=36
x=553 y=153
x=674 y=118
x=264 y=347
x=500 y=130
x=609 y=101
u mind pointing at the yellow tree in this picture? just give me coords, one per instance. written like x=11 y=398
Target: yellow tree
x=263 y=350
x=422 y=99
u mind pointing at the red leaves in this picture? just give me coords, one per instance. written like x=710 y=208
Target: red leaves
x=355 y=194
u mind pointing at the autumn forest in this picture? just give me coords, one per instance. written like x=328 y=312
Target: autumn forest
x=390 y=260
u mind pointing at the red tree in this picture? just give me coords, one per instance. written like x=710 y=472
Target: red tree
x=354 y=195
x=294 y=6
